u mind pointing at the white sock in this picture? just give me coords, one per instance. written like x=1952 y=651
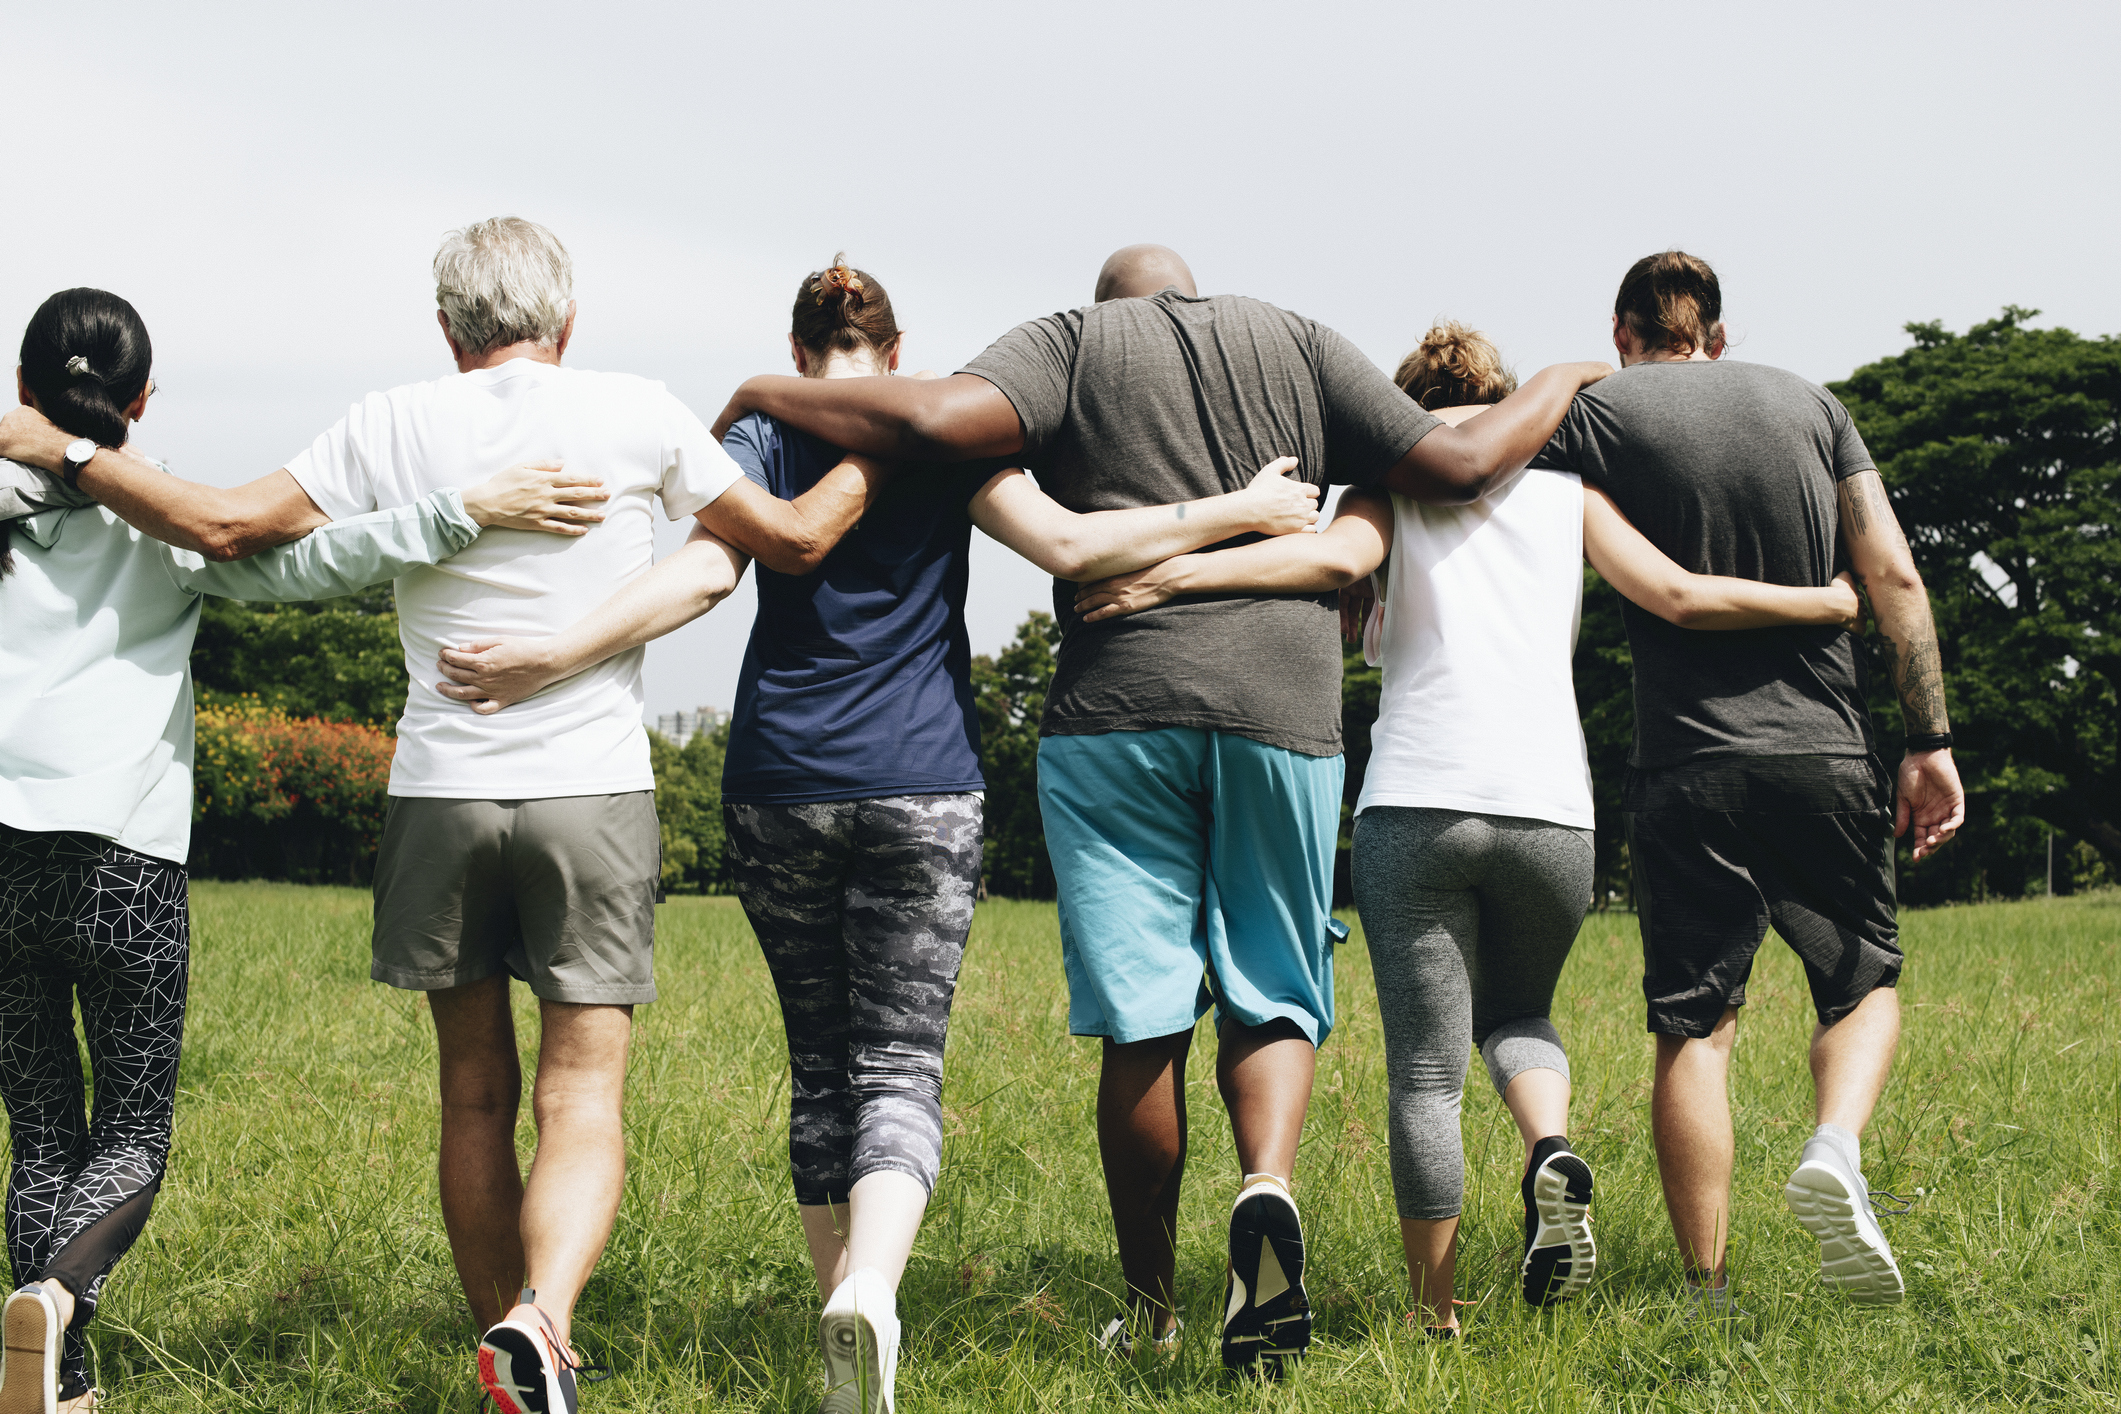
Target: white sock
x=1850 y=1147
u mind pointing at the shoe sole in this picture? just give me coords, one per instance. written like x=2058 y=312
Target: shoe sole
x=853 y=1363
x=26 y=1387
x=1848 y=1260
x=1266 y=1238
x=505 y=1355
x=1562 y=1258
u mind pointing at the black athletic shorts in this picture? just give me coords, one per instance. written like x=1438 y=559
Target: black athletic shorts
x=1723 y=848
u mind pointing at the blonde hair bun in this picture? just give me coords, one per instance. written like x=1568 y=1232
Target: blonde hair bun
x=1455 y=366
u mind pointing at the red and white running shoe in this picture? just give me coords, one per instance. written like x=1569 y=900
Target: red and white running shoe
x=524 y=1366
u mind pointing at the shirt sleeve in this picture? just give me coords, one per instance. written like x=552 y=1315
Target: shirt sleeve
x=696 y=470
x=335 y=470
x=747 y=443
x=1579 y=444
x=1033 y=364
x=1370 y=423
x=1851 y=457
x=341 y=557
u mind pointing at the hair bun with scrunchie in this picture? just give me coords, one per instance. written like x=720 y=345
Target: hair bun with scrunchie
x=837 y=280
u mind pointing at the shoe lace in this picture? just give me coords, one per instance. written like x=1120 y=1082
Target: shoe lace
x=1890 y=1205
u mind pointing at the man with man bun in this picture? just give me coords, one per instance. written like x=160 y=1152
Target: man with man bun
x=1755 y=794
x=1190 y=766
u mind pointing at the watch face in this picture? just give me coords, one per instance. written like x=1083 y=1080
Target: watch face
x=78 y=452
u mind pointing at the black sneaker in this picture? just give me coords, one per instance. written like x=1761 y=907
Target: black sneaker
x=1266 y=1313
x=1559 y=1255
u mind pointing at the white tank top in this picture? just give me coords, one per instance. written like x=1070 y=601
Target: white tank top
x=1475 y=627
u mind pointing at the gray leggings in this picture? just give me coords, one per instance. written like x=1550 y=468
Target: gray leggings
x=1469 y=919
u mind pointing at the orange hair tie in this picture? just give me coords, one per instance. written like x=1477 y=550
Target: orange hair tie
x=839 y=280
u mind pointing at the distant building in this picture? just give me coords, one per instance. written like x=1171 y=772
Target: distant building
x=680 y=727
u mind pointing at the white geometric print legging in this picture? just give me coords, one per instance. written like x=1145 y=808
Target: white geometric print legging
x=80 y=914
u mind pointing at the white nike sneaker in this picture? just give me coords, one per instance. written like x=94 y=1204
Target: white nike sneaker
x=859 y=1333
x=524 y=1368
x=29 y=1381
x=1116 y=1343
x=1266 y=1312
x=1834 y=1204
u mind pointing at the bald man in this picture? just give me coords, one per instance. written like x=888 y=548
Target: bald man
x=1190 y=761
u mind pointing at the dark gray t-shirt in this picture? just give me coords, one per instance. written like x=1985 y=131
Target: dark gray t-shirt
x=1731 y=469
x=1139 y=402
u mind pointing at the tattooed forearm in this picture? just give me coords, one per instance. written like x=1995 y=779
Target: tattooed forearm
x=1859 y=511
x=1918 y=675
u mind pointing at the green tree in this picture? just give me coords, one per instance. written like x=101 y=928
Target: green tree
x=337 y=659
x=1010 y=693
x=688 y=806
x=1998 y=448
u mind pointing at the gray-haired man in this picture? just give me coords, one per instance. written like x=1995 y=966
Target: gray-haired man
x=523 y=843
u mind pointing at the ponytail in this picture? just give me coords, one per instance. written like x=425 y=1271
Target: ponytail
x=841 y=309
x=1672 y=303
x=85 y=356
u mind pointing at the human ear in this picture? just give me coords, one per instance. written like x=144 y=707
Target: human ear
x=566 y=333
x=897 y=346
x=22 y=389
x=138 y=408
x=795 y=351
x=456 y=355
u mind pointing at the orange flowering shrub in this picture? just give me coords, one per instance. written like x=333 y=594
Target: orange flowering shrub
x=282 y=797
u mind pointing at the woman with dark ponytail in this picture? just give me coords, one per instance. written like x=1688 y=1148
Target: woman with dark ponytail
x=95 y=818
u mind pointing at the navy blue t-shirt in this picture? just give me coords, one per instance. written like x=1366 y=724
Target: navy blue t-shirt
x=857 y=681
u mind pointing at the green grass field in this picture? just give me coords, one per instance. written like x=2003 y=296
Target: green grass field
x=296 y=1259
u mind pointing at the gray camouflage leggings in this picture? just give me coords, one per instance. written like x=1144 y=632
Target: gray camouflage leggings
x=861 y=907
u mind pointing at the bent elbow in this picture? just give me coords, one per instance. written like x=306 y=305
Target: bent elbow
x=224 y=543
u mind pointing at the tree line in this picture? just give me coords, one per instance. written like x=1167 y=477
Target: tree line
x=1998 y=447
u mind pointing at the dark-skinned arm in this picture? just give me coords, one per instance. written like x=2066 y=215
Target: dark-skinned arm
x=903 y=419
x=1454 y=465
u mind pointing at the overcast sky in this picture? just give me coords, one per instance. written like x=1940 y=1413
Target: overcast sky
x=267 y=183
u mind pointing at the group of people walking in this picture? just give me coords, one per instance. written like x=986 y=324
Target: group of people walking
x=1161 y=454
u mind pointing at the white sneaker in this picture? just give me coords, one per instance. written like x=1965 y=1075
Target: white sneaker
x=29 y=1380
x=523 y=1367
x=859 y=1334
x=1116 y=1343
x=1834 y=1204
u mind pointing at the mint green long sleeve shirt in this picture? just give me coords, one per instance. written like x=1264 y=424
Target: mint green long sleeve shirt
x=96 y=628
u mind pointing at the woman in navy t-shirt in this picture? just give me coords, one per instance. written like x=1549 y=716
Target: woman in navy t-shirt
x=853 y=795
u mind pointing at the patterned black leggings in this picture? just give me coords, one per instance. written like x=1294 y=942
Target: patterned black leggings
x=78 y=913
x=862 y=907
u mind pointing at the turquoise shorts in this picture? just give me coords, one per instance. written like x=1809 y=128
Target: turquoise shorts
x=1195 y=868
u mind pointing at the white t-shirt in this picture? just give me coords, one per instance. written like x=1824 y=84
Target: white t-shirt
x=1476 y=629
x=582 y=736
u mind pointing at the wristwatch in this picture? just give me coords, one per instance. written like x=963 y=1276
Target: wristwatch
x=78 y=453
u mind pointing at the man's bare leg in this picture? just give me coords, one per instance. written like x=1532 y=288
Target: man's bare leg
x=482 y=1187
x=1690 y=1117
x=1265 y=1075
x=579 y=1173
x=1141 y=1136
x=1852 y=1058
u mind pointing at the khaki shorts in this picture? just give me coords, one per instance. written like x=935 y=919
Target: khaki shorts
x=561 y=892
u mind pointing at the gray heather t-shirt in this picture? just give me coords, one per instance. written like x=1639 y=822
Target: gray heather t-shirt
x=1731 y=469
x=1139 y=402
